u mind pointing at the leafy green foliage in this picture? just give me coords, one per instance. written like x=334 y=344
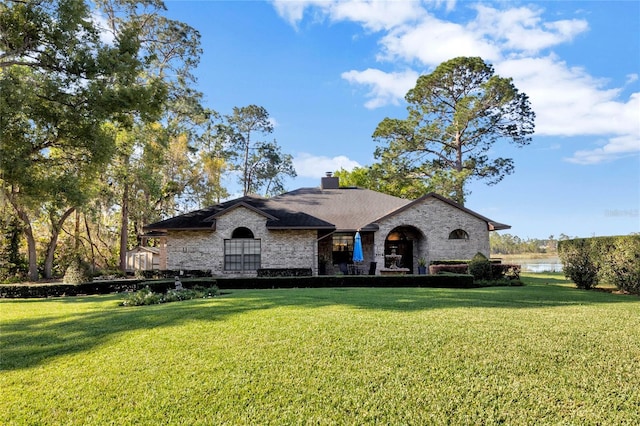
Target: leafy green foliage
x=261 y=162
x=78 y=272
x=379 y=177
x=588 y=261
x=455 y=116
x=622 y=263
x=146 y=296
x=480 y=267
x=580 y=262
x=59 y=84
x=12 y=262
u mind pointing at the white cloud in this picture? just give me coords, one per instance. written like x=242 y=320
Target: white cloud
x=292 y=11
x=522 y=29
x=433 y=41
x=384 y=88
x=314 y=166
x=377 y=15
x=613 y=149
x=371 y=14
x=568 y=101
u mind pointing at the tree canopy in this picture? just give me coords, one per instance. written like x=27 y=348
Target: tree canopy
x=59 y=83
x=456 y=114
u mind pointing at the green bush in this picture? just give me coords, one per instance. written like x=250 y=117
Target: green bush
x=580 y=262
x=78 y=272
x=616 y=260
x=622 y=263
x=500 y=271
x=480 y=267
x=146 y=296
x=462 y=268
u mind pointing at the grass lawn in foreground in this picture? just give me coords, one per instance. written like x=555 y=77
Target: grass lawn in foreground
x=545 y=353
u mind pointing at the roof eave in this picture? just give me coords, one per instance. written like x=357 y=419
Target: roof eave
x=495 y=226
x=284 y=228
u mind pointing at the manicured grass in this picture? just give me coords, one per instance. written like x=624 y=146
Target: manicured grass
x=545 y=353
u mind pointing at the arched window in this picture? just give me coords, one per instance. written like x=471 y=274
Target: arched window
x=458 y=234
x=242 y=251
x=242 y=232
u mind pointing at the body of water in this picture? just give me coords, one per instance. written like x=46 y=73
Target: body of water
x=550 y=264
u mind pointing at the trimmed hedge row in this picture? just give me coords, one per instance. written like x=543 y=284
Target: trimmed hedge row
x=588 y=261
x=57 y=290
x=168 y=273
x=498 y=270
x=160 y=286
x=285 y=272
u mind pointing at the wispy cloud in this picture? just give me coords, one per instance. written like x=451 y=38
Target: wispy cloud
x=314 y=166
x=384 y=87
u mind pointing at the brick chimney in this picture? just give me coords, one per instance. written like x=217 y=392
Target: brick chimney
x=330 y=181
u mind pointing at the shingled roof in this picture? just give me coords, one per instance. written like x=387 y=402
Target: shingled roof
x=349 y=209
x=278 y=217
x=341 y=209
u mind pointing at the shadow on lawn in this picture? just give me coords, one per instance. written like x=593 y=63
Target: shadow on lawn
x=34 y=341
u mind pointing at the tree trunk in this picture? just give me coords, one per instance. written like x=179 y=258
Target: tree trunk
x=28 y=233
x=93 y=252
x=53 y=242
x=76 y=236
x=124 y=228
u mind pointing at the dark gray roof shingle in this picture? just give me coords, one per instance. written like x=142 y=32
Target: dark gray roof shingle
x=342 y=209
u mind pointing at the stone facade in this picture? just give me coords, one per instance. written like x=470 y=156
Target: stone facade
x=432 y=221
x=427 y=225
x=204 y=250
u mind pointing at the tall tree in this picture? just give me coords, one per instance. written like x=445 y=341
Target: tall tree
x=456 y=114
x=169 y=50
x=59 y=82
x=261 y=163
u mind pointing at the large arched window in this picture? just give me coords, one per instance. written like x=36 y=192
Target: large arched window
x=458 y=234
x=242 y=251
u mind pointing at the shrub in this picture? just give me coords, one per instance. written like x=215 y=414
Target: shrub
x=78 y=272
x=505 y=271
x=139 y=274
x=621 y=264
x=285 y=272
x=480 y=267
x=454 y=269
x=580 y=262
x=146 y=296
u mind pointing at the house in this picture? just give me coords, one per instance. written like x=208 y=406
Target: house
x=315 y=227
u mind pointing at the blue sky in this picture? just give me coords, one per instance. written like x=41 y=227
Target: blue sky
x=328 y=72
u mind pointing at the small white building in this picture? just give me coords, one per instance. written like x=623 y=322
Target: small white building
x=143 y=259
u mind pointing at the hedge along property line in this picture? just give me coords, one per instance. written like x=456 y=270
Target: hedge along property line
x=616 y=259
x=498 y=270
x=57 y=290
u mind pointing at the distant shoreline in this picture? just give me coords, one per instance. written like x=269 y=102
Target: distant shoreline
x=520 y=256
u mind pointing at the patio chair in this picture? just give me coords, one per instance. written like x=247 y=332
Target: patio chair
x=343 y=268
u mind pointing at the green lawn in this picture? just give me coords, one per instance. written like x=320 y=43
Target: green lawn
x=545 y=353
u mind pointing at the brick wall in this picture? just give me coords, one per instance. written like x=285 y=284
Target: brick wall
x=435 y=219
x=205 y=249
x=431 y=222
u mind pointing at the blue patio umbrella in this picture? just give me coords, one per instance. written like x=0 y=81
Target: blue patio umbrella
x=358 y=256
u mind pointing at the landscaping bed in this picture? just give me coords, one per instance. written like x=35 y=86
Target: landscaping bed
x=162 y=285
